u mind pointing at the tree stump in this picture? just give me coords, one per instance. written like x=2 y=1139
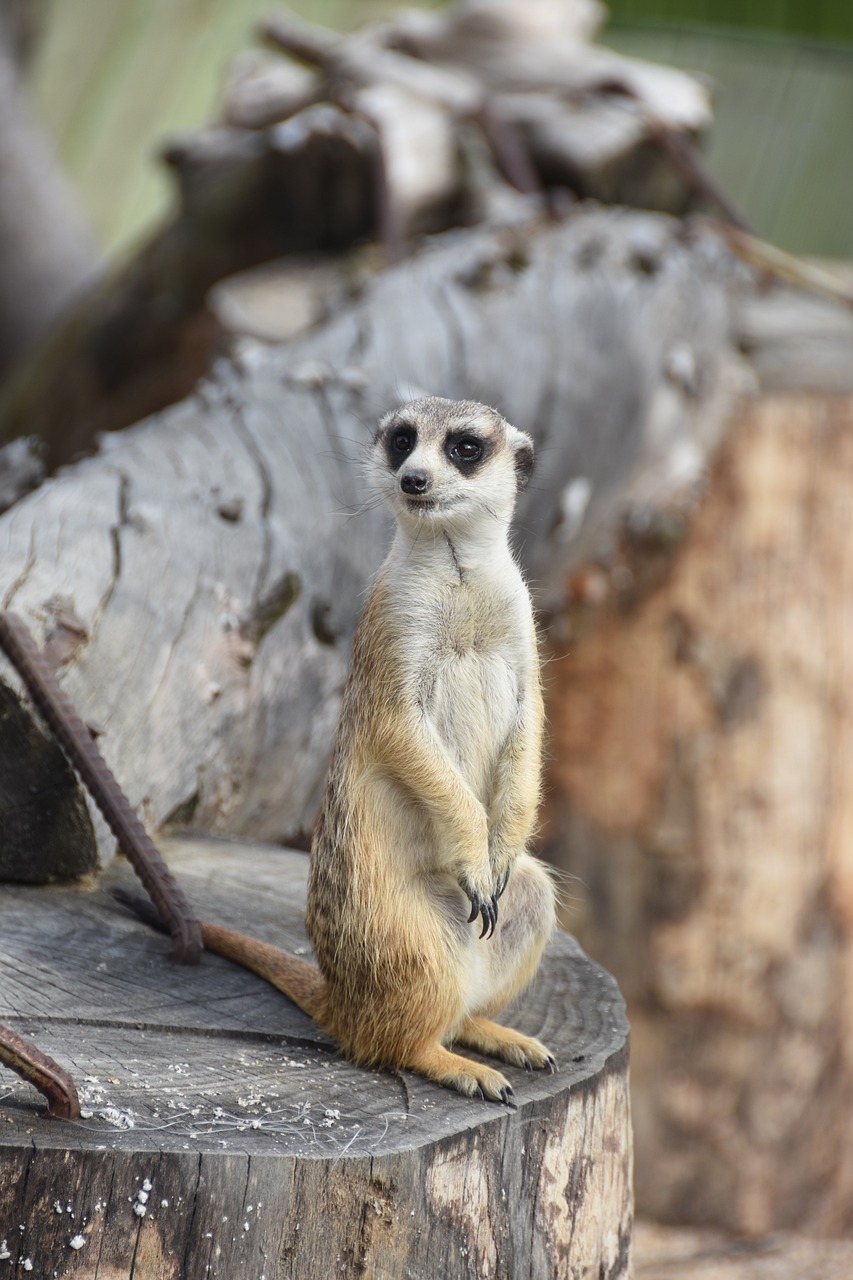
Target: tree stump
x=702 y=754
x=224 y=1135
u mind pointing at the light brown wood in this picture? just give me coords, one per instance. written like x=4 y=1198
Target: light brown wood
x=702 y=754
x=262 y=1151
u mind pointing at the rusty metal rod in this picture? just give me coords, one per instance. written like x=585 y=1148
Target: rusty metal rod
x=58 y=712
x=51 y=1080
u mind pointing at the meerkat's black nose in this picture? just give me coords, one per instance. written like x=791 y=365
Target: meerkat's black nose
x=414 y=482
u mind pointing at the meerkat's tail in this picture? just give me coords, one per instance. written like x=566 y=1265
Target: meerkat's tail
x=296 y=978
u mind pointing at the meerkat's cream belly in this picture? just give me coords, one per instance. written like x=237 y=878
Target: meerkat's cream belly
x=473 y=707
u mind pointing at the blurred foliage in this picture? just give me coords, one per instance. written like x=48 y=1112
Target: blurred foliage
x=781 y=144
x=112 y=77
x=820 y=19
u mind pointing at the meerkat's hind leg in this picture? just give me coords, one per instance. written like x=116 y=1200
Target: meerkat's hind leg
x=511 y=959
x=455 y=1072
x=495 y=1041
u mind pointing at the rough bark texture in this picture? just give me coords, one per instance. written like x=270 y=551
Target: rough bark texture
x=216 y=556
x=703 y=746
x=254 y=1148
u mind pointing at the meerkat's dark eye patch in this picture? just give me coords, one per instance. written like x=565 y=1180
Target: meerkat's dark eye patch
x=400 y=440
x=467 y=451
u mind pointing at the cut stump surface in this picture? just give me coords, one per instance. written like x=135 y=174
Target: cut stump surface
x=224 y=1135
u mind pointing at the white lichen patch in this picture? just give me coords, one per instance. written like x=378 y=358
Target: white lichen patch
x=140 y=1201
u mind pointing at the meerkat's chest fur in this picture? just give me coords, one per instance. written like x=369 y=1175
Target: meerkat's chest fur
x=467 y=654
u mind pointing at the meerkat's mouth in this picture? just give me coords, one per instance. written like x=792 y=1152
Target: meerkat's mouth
x=414 y=503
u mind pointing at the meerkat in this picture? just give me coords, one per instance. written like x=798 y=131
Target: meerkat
x=426 y=912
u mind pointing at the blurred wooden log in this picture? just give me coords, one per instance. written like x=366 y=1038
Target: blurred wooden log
x=217 y=555
x=702 y=752
x=587 y=117
x=664 y=1253
x=144 y=338
x=222 y=1134
x=394 y=131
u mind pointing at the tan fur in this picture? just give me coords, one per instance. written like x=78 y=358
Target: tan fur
x=434 y=783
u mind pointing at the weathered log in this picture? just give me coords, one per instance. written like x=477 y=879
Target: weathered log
x=702 y=754
x=217 y=554
x=223 y=1135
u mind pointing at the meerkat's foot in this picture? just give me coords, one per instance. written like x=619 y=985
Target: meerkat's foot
x=495 y=1041
x=455 y=1072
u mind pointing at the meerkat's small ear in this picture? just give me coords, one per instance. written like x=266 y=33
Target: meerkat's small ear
x=522 y=447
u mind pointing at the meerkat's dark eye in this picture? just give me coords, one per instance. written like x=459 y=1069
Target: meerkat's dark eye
x=402 y=440
x=468 y=449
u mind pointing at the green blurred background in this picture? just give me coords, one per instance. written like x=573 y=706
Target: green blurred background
x=112 y=77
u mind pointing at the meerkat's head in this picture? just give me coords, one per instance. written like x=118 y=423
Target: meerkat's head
x=449 y=462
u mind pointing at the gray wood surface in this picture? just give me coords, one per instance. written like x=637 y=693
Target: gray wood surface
x=217 y=555
x=266 y=1152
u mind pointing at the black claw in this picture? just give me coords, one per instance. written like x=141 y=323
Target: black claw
x=475 y=907
x=551 y=1064
x=503 y=884
x=478 y=1093
x=506 y=1096
x=487 y=920
x=527 y=1064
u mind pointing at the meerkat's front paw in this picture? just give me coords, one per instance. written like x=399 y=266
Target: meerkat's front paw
x=484 y=903
x=503 y=881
